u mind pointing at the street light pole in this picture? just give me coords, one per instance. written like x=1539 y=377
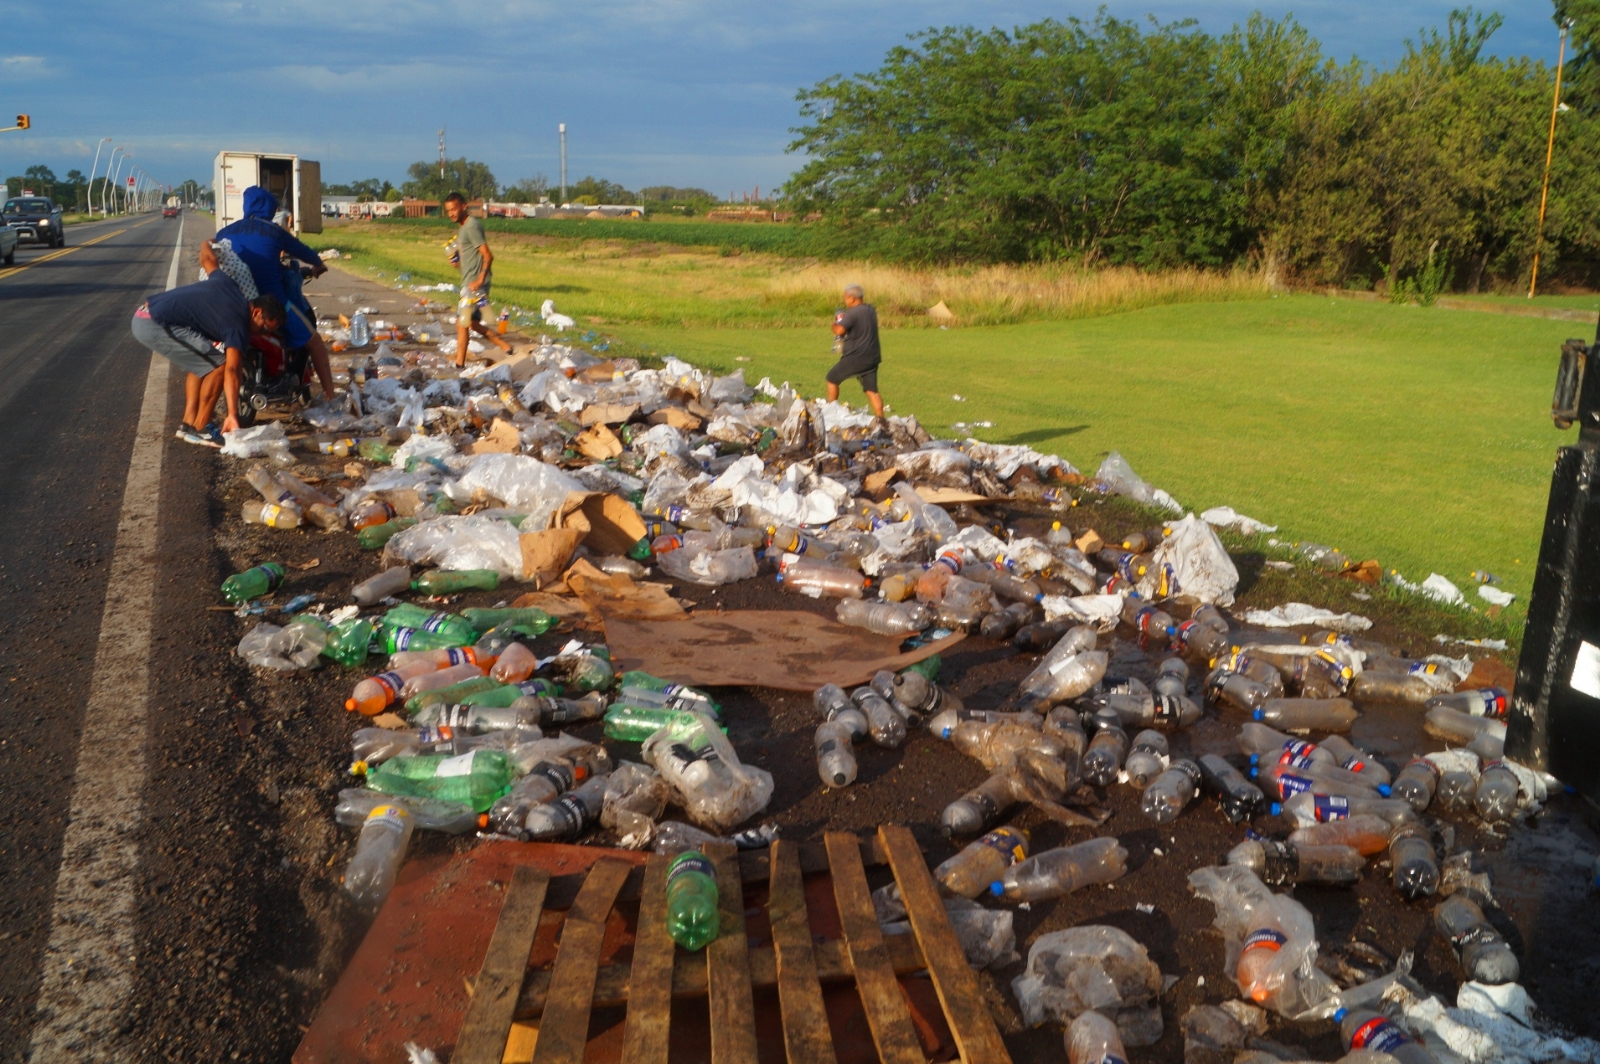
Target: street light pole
x=105 y=190
x=1549 y=154
x=89 y=195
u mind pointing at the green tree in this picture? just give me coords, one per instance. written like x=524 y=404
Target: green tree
x=528 y=190
x=594 y=190
x=472 y=179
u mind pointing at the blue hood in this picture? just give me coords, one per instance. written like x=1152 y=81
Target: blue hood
x=259 y=203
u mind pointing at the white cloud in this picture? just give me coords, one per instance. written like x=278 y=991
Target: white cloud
x=18 y=67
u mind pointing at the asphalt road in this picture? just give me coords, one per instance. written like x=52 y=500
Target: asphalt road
x=72 y=381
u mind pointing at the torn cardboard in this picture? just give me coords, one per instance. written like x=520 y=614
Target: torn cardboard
x=877 y=483
x=949 y=496
x=677 y=417
x=502 y=438
x=563 y=607
x=610 y=525
x=617 y=595
x=608 y=413
x=545 y=554
x=791 y=650
x=598 y=443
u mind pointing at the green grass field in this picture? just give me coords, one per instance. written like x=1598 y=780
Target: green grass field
x=1417 y=436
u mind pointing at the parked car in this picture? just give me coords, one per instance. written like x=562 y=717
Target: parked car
x=35 y=219
x=8 y=243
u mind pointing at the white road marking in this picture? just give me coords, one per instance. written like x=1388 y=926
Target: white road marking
x=89 y=966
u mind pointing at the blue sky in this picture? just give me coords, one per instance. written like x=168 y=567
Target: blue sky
x=680 y=92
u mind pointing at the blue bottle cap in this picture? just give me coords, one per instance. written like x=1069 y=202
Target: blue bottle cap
x=1258 y=714
x=1385 y=790
x=1338 y=1017
x=1255 y=758
x=997 y=888
x=1275 y=808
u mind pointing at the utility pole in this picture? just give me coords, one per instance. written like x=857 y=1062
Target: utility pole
x=441 y=155
x=563 y=128
x=1549 y=154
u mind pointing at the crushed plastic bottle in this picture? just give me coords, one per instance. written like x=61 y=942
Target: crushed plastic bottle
x=1270 y=940
x=1059 y=872
x=1093 y=1039
x=970 y=871
x=884 y=618
x=1363 y=1029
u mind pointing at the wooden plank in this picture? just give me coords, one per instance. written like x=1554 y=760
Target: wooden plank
x=494 y=995
x=647 y=985
x=806 y=1034
x=564 y=1030
x=612 y=987
x=881 y=996
x=733 y=1010
x=752 y=869
x=974 y=1029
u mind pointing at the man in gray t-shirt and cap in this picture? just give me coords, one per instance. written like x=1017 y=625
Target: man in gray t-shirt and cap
x=857 y=326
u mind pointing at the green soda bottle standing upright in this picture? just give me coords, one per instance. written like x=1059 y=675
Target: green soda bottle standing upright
x=692 y=917
x=252 y=583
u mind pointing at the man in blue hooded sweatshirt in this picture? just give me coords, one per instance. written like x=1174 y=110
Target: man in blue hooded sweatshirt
x=262 y=245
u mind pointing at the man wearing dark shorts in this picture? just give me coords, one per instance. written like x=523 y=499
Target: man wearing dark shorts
x=184 y=325
x=857 y=325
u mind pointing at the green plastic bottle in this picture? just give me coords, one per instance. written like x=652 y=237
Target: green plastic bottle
x=640 y=551
x=349 y=643
x=407 y=615
x=928 y=666
x=496 y=697
x=252 y=583
x=393 y=638
x=452 y=694
x=477 y=778
x=635 y=724
x=587 y=670
x=528 y=621
x=374 y=449
x=451 y=581
x=693 y=919
x=374 y=537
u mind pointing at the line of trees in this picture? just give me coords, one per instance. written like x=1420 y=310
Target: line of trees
x=476 y=181
x=72 y=192
x=1160 y=145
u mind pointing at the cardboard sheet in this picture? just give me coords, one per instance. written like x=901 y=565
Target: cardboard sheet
x=617 y=595
x=788 y=649
x=608 y=523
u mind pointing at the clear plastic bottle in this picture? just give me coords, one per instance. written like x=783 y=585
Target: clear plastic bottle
x=981 y=807
x=1483 y=953
x=514 y=664
x=1007 y=622
x=833 y=704
x=545 y=782
x=674 y=836
x=884 y=618
x=1266 y=744
x=1237 y=690
x=1415 y=865
x=970 y=871
x=1106 y=750
x=1286 y=780
x=1457 y=789
x=1417 y=783
x=1062 y=680
x=836 y=760
x=1282 y=864
x=821 y=580
x=1171 y=791
x=380 y=851
x=1347 y=756
x=452 y=818
x=386 y=584
x=886 y=726
x=1311 y=807
x=917 y=696
x=1093 y=1039
x=1059 y=872
x=1252 y=665
x=693 y=903
x=271 y=514
x=1240 y=799
x=1308 y=714
x=1172 y=678
x=1363 y=832
x=1147 y=758
x=1496 y=798
x=1150 y=621
x=1010 y=588
x=1201 y=639
x=1463 y=728
x=440 y=678
x=1375 y=1032
x=1391 y=687
x=568 y=816
x=1483 y=702
x=1042 y=635
x=1127 y=696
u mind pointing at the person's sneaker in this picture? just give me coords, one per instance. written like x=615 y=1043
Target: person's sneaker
x=200 y=437
x=213 y=432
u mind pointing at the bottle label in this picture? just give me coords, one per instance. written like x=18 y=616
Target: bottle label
x=1007 y=842
x=570 y=815
x=1169 y=711
x=1265 y=938
x=400 y=638
x=689 y=862
x=1494 y=702
x=1297 y=753
x=1290 y=785
x=1353 y=763
x=436 y=622
x=395 y=815
x=1378 y=1035
x=460 y=765
x=436 y=734
x=390 y=682
x=459 y=656
x=273 y=573
x=1328 y=807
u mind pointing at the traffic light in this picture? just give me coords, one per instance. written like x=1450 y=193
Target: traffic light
x=24 y=121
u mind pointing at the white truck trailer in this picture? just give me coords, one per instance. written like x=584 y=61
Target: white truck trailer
x=295 y=181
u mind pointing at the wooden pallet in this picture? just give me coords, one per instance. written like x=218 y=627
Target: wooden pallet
x=551 y=1008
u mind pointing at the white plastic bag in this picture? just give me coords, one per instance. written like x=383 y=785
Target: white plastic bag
x=522 y=483
x=258 y=441
x=1094 y=967
x=1191 y=563
x=1298 y=614
x=475 y=542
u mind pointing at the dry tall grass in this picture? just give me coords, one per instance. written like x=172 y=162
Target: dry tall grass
x=997 y=295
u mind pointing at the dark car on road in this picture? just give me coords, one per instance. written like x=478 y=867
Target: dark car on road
x=35 y=219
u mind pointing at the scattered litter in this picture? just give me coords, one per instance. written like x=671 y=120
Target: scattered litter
x=1298 y=614
x=1228 y=517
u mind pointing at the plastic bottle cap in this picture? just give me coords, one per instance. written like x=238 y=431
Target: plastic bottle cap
x=1258 y=714
x=997 y=888
x=1338 y=1017
x=1276 y=808
x=1384 y=789
x=1254 y=758
x=1255 y=769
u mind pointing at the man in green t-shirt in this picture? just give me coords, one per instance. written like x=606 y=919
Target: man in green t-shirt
x=475 y=258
